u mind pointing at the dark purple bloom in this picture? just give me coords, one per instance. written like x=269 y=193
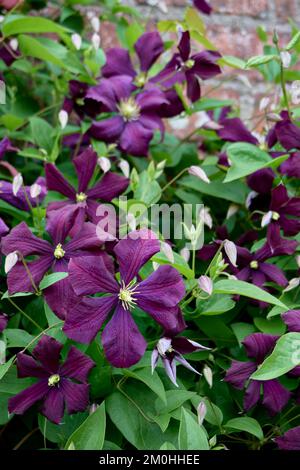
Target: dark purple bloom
x=291 y=166
x=50 y=256
x=171 y=350
x=261 y=181
x=275 y=396
x=285 y=132
x=3 y=321
x=185 y=66
x=59 y=385
x=292 y=319
x=203 y=6
x=75 y=102
x=148 y=48
x=20 y=200
x=290 y=440
x=285 y=211
x=6 y=146
x=157 y=295
x=3 y=228
x=135 y=115
x=83 y=198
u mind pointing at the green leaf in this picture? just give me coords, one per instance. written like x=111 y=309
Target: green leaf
x=90 y=434
x=272 y=326
x=247 y=158
x=285 y=356
x=215 y=305
x=260 y=60
x=151 y=380
x=175 y=398
x=194 y=21
x=42 y=132
x=31 y=25
x=167 y=446
x=246 y=424
x=17 y=338
x=233 y=62
x=4 y=368
x=228 y=286
x=33 y=47
x=233 y=192
x=293 y=42
x=179 y=263
x=52 y=279
x=191 y=435
x=213 y=415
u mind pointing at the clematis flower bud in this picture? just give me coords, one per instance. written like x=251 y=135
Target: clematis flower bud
x=35 y=190
x=199 y=173
x=96 y=40
x=208 y=375
x=14 y=44
x=95 y=23
x=168 y=252
x=63 y=118
x=17 y=183
x=295 y=282
x=232 y=209
x=10 y=261
x=285 y=59
x=77 y=41
x=201 y=412
x=104 y=164
x=185 y=253
x=231 y=251
x=124 y=167
x=205 y=217
x=206 y=284
x=266 y=219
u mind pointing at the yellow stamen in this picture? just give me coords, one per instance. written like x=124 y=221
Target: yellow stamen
x=129 y=109
x=53 y=380
x=59 y=252
x=254 y=264
x=275 y=215
x=81 y=197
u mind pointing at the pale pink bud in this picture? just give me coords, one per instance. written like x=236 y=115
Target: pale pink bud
x=17 y=183
x=232 y=209
x=201 y=412
x=124 y=167
x=10 y=261
x=168 y=252
x=199 y=173
x=104 y=164
x=205 y=217
x=96 y=40
x=77 y=41
x=95 y=23
x=285 y=59
x=185 y=253
x=206 y=284
x=63 y=118
x=266 y=219
x=231 y=251
x=35 y=190
x=208 y=375
x=14 y=44
x=295 y=282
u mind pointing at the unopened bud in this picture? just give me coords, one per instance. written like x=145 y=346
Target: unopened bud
x=95 y=23
x=185 y=253
x=96 y=40
x=17 y=183
x=10 y=261
x=231 y=251
x=63 y=118
x=199 y=173
x=104 y=164
x=285 y=59
x=206 y=284
x=35 y=190
x=201 y=412
x=77 y=41
x=124 y=167
x=168 y=252
x=208 y=375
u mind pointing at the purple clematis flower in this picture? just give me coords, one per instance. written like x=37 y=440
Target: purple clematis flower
x=135 y=115
x=171 y=350
x=292 y=319
x=84 y=198
x=291 y=166
x=157 y=295
x=20 y=200
x=275 y=396
x=203 y=6
x=282 y=209
x=6 y=146
x=185 y=66
x=290 y=439
x=3 y=228
x=3 y=321
x=59 y=385
x=285 y=132
x=148 y=48
x=53 y=256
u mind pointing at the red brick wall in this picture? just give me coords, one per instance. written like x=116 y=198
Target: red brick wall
x=232 y=28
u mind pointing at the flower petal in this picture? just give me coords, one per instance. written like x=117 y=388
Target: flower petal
x=184 y=46
x=259 y=345
x=292 y=320
x=47 y=352
x=108 y=130
x=252 y=394
x=110 y=186
x=57 y=182
x=135 y=139
x=235 y=131
x=134 y=251
x=60 y=223
x=275 y=396
x=28 y=367
x=164 y=284
x=149 y=47
x=118 y=62
x=77 y=365
x=85 y=242
x=96 y=276
x=85 y=319
x=53 y=406
x=22 y=240
x=290 y=440
x=76 y=396
x=122 y=342
x=85 y=165
x=25 y=399
x=239 y=372
x=18 y=279
x=273 y=273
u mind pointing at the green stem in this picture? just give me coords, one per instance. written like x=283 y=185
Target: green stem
x=25 y=314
